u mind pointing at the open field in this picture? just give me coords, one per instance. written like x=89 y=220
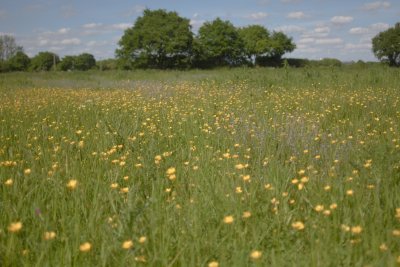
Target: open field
x=241 y=167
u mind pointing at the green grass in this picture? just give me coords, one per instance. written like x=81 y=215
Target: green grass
x=304 y=137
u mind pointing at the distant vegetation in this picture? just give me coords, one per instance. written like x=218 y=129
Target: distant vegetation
x=160 y=39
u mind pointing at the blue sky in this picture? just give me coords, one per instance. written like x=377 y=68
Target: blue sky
x=320 y=28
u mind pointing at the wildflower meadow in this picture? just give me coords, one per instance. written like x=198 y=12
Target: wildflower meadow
x=230 y=167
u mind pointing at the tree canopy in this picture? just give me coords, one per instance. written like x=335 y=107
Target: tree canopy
x=256 y=41
x=158 y=39
x=44 y=61
x=219 y=44
x=386 y=45
x=161 y=39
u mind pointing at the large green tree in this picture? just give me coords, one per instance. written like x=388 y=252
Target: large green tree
x=44 y=61
x=279 y=44
x=158 y=39
x=386 y=45
x=218 y=44
x=256 y=41
x=19 y=62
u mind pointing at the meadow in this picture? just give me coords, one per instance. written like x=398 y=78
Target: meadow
x=229 y=167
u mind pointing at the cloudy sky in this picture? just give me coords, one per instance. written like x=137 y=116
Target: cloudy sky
x=320 y=28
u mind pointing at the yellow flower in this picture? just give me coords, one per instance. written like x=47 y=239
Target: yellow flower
x=246 y=214
x=319 y=208
x=172 y=177
x=49 y=235
x=213 y=264
x=157 y=158
x=255 y=255
x=15 y=227
x=298 y=225
x=327 y=212
x=72 y=184
x=356 y=229
x=333 y=206
x=171 y=171
x=85 y=247
x=127 y=244
x=228 y=219
x=125 y=190
x=27 y=171
x=246 y=178
x=383 y=247
x=9 y=182
x=350 y=192
x=142 y=239
x=239 y=166
x=114 y=185
x=81 y=144
x=396 y=232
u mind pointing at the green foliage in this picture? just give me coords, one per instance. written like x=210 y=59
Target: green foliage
x=19 y=62
x=83 y=62
x=67 y=63
x=158 y=39
x=256 y=41
x=386 y=45
x=107 y=64
x=219 y=44
x=44 y=61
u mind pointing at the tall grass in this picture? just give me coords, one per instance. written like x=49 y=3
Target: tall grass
x=236 y=167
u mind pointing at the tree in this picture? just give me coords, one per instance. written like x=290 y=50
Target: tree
x=255 y=40
x=158 y=39
x=19 y=62
x=67 y=63
x=85 y=61
x=44 y=61
x=218 y=44
x=8 y=47
x=386 y=45
x=279 y=45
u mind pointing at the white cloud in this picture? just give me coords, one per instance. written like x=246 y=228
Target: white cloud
x=329 y=41
x=306 y=41
x=92 y=25
x=121 y=26
x=290 y=29
x=63 y=30
x=257 y=16
x=296 y=15
x=372 y=29
x=322 y=29
x=359 y=30
x=376 y=5
x=351 y=46
x=379 y=26
x=72 y=41
x=341 y=19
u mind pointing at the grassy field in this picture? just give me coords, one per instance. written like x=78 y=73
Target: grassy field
x=240 y=167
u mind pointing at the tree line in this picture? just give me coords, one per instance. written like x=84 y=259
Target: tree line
x=13 y=58
x=161 y=39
